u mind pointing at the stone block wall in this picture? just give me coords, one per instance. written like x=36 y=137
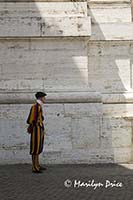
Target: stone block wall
x=80 y=53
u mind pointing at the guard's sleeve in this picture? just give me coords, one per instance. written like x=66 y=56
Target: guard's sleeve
x=32 y=118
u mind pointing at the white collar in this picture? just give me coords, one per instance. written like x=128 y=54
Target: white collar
x=39 y=101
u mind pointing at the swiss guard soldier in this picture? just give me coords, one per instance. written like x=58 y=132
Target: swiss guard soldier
x=37 y=131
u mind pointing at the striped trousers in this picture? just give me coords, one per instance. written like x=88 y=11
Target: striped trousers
x=36 y=145
x=37 y=140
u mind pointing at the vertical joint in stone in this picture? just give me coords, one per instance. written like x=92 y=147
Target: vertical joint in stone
x=131 y=2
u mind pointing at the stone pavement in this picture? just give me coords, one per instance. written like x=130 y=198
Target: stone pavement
x=65 y=182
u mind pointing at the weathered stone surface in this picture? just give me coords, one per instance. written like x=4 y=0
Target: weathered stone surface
x=69 y=68
x=75 y=133
x=45 y=27
x=108 y=2
x=118 y=98
x=43 y=9
x=118 y=110
x=60 y=97
x=65 y=129
x=111 y=20
x=112 y=31
x=110 y=66
x=53 y=64
x=89 y=80
x=105 y=13
x=31 y=20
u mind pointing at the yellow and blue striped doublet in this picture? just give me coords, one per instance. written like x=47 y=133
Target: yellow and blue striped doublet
x=37 y=136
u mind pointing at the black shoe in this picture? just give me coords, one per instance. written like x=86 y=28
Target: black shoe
x=36 y=171
x=42 y=168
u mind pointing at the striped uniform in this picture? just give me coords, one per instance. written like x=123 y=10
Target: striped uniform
x=37 y=136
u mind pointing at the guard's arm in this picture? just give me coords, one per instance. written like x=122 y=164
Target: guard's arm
x=33 y=115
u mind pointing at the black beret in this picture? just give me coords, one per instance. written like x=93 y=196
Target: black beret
x=40 y=94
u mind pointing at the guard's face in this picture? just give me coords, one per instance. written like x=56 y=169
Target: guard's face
x=43 y=99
